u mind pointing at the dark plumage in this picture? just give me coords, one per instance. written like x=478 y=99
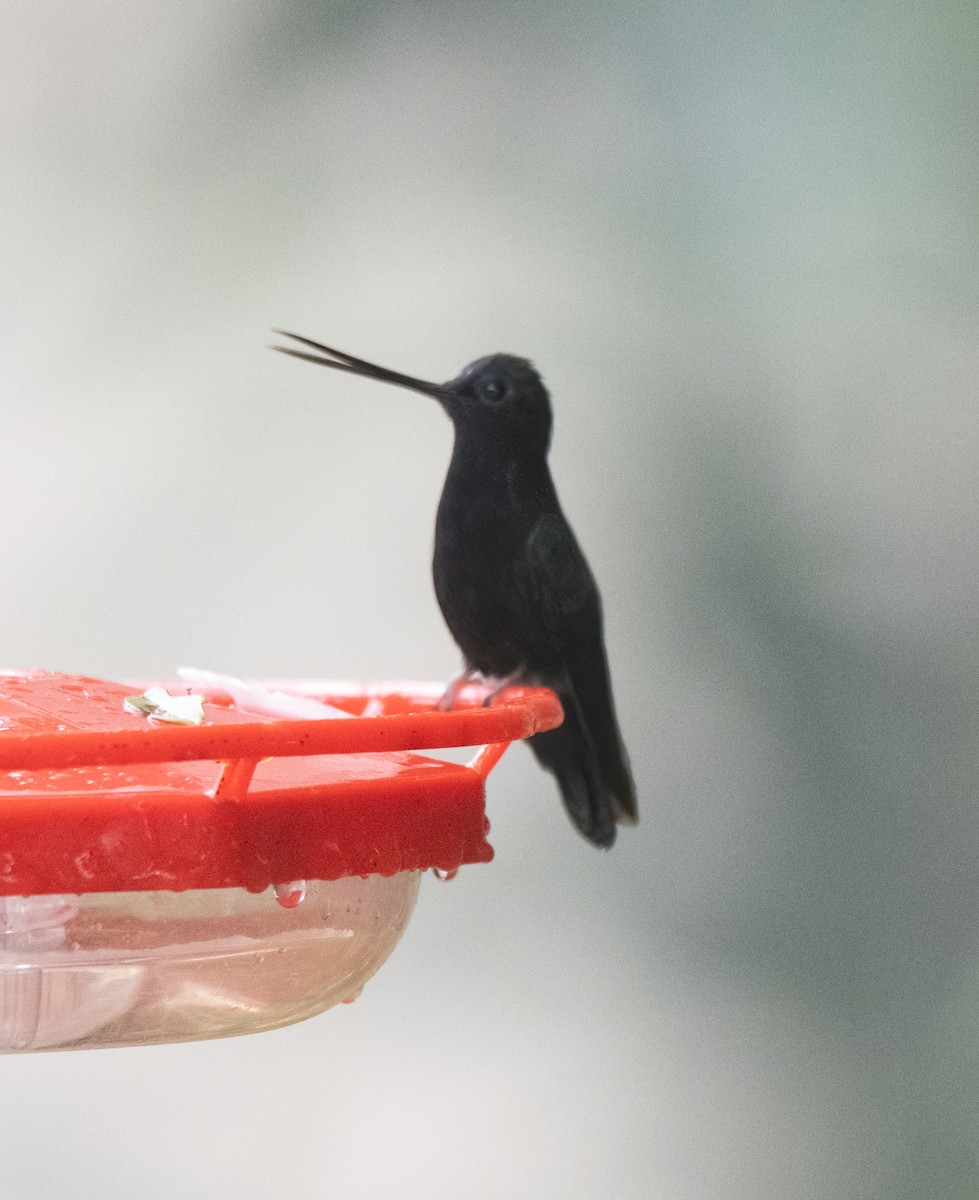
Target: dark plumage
x=511 y=580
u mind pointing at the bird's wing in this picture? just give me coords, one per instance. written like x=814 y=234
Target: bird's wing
x=562 y=588
x=569 y=611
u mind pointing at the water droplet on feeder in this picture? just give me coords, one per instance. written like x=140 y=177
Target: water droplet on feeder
x=445 y=876
x=290 y=895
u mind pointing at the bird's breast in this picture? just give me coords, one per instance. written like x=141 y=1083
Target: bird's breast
x=480 y=570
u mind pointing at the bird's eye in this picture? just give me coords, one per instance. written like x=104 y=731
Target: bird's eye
x=492 y=391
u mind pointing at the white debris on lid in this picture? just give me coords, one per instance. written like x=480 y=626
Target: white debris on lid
x=157 y=704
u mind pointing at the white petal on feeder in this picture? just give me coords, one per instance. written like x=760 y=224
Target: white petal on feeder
x=253 y=697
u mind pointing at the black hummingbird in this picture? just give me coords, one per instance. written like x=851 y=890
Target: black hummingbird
x=511 y=580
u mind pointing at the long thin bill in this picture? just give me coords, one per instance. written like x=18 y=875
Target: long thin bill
x=325 y=356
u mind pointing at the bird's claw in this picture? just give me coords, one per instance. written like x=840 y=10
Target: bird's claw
x=448 y=697
x=501 y=685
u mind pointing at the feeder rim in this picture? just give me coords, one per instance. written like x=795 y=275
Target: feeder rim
x=516 y=713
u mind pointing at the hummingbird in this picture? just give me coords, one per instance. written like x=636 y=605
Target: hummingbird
x=511 y=580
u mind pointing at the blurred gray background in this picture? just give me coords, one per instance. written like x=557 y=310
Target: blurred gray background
x=739 y=241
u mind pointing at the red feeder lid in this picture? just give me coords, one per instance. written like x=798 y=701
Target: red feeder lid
x=95 y=797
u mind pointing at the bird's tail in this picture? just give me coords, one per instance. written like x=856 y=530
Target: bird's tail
x=592 y=771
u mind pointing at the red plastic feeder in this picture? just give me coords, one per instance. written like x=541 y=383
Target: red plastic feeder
x=161 y=882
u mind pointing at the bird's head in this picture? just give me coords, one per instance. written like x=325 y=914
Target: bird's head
x=499 y=398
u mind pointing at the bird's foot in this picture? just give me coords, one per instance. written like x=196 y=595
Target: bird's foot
x=448 y=697
x=500 y=685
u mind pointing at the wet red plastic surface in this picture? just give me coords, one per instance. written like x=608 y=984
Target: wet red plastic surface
x=94 y=797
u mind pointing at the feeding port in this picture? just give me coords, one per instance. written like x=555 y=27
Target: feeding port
x=162 y=881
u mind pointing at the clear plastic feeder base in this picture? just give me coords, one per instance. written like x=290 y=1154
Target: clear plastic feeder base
x=138 y=968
